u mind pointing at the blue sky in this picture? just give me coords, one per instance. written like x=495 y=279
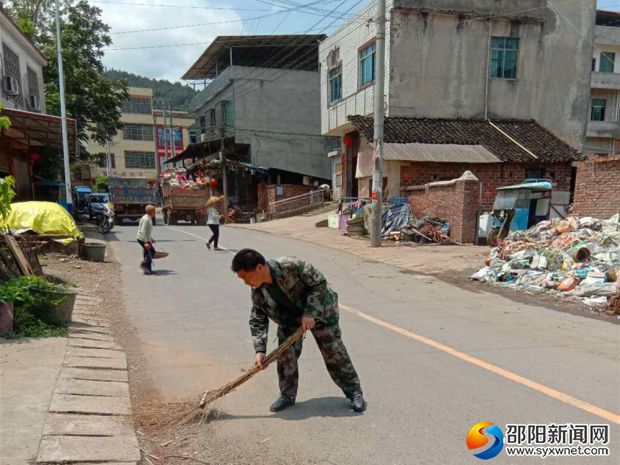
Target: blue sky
x=162 y=38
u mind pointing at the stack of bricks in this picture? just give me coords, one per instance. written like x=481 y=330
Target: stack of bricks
x=456 y=201
x=597 y=187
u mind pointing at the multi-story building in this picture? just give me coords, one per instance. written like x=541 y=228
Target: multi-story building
x=263 y=105
x=604 y=116
x=32 y=134
x=135 y=151
x=478 y=60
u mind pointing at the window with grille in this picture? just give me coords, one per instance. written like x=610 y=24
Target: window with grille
x=367 y=65
x=607 y=62
x=138 y=132
x=141 y=160
x=598 y=109
x=504 y=57
x=137 y=105
x=33 y=83
x=203 y=125
x=11 y=68
x=335 y=84
x=534 y=173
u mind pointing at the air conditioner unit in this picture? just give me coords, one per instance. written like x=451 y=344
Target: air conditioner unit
x=333 y=58
x=33 y=102
x=10 y=85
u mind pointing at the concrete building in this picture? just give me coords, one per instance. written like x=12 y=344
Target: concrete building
x=459 y=59
x=136 y=151
x=32 y=134
x=604 y=115
x=263 y=103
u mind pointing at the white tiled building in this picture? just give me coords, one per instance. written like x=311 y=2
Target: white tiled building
x=604 y=124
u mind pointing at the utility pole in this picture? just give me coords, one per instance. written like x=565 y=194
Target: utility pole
x=63 y=113
x=163 y=112
x=224 y=180
x=173 y=149
x=379 y=110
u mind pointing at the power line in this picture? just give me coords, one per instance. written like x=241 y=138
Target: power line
x=167 y=5
x=211 y=23
x=300 y=60
x=319 y=11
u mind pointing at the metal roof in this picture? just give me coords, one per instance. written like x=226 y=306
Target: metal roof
x=536 y=186
x=298 y=51
x=442 y=153
x=32 y=130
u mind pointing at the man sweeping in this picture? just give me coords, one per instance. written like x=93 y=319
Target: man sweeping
x=293 y=293
x=145 y=239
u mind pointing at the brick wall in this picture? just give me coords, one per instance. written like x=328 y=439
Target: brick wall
x=456 y=201
x=597 y=187
x=491 y=176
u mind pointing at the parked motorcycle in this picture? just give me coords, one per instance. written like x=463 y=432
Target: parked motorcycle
x=105 y=220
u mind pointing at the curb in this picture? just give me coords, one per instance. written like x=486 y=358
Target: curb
x=89 y=416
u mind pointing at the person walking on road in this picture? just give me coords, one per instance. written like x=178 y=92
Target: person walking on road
x=145 y=239
x=293 y=293
x=213 y=221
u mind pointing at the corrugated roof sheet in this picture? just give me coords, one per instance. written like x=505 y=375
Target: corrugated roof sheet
x=444 y=153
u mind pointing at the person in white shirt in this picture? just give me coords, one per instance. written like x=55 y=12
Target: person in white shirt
x=213 y=221
x=145 y=239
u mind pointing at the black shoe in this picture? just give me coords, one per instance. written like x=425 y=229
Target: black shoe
x=142 y=266
x=208 y=245
x=149 y=272
x=282 y=403
x=357 y=402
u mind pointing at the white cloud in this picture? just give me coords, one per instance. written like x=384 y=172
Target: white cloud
x=165 y=62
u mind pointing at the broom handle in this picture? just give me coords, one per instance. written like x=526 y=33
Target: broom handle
x=269 y=359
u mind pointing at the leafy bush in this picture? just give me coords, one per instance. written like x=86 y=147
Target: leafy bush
x=101 y=184
x=32 y=297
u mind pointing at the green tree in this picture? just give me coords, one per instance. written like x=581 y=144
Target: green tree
x=92 y=99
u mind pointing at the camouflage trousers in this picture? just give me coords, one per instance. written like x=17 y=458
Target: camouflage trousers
x=335 y=355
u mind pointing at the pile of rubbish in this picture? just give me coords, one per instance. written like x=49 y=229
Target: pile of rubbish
x=578 y=257
x=177 y=178
x=399 y=224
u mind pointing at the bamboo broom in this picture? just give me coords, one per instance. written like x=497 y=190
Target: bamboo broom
x=184 y=413
x=210 y=396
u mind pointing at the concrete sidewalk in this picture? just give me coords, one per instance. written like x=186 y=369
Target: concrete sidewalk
x=28 y=372
x=66 y=400
x=427 y=259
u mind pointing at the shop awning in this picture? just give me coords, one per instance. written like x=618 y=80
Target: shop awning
x=30 y=130
x=199 y=150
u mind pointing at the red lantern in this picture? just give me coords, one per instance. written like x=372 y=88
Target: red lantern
x=347 y=140
x=33 y=156
x=213 y=183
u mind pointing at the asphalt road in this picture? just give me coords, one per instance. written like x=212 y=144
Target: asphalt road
x=433 y=359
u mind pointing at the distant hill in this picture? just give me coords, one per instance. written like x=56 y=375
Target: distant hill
x=178 y=95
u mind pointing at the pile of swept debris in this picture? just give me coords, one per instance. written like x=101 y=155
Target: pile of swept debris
x=577 y=257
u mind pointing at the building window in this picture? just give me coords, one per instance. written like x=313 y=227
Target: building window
x=212 y=120
x=137 y=105
x=334 y=77
x=139 y=160
x=534 y=173
x=138 y=132
x=11 y=68
x=504 y=57
x=102 y=161
x=34 y=94
x=227 y=116
x=367 y=65
x=598 y=109
x=607 y=62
